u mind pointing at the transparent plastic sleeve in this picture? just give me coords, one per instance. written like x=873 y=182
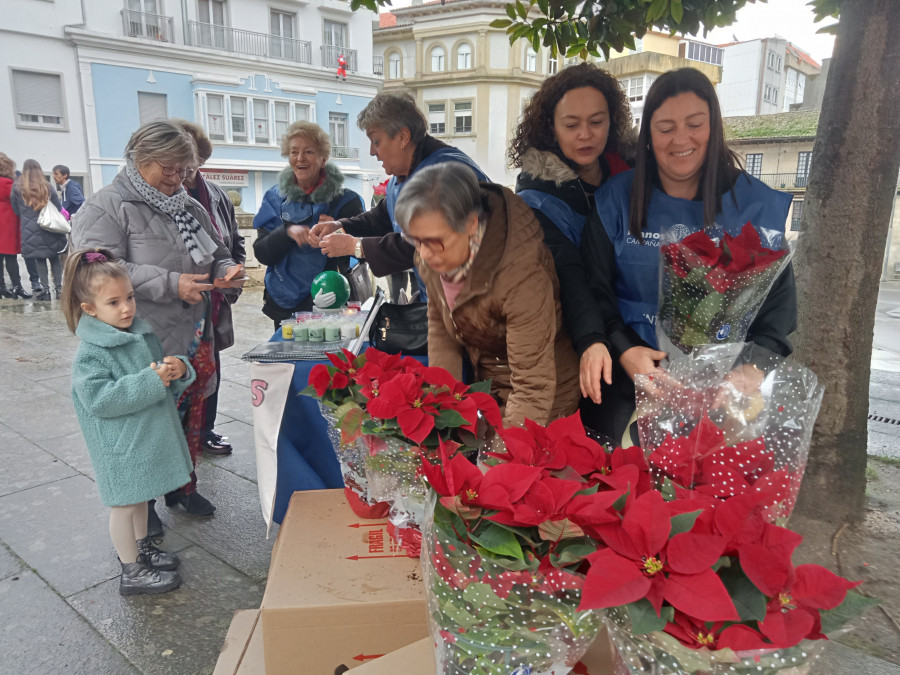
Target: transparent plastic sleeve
x=712 y=285
x=489 y=619
x=353 y=469
x=727 y=419
x=658 y=653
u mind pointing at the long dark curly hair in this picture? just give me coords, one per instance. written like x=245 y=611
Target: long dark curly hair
x=536 y=128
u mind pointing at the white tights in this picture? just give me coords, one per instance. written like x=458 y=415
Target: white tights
x=127 y=524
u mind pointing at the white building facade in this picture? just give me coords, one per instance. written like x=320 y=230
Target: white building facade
x=82 y=76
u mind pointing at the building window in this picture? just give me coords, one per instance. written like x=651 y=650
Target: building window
x=771 y=94
x=796 y=214
x=261 y=121
x=211 y=17
x=462 y=117
x=754 y=164
x=803 y=159
x=530 y=59
x=552 y=65
x=282 y=119
x=301 y=113
x=773 y=61
x=281 y=27
x=698 y=51
x=637 y=122
x=437 y=59
x=437 y=119
x=395 y=68
x=464 y=56
x=238 y=119
x=151 y=107
x=215 y=117
x=634 y=88
x=337 y=127
x=38 y=99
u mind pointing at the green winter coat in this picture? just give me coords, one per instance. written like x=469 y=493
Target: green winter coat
x=128 y=417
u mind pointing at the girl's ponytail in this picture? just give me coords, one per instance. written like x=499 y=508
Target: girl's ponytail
x=84 y=270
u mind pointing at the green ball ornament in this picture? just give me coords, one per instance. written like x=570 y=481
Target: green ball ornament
x=331 y=282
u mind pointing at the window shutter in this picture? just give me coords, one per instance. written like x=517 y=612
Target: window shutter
x=152 y=107
x=38 y=94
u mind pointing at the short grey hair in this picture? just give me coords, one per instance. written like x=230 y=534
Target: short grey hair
x=449 y=188
x=391 y=113
x=311 y=132
x=162 y=141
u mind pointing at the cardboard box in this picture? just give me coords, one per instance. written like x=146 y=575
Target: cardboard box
x=339 y=591
x=418 y=659
x=242 y=653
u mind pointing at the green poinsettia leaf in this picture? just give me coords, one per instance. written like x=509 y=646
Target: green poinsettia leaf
x=480 y=594
x=696 y=277
x=497 y=540
x=557 y=530
x=748 y=600
x=511 y=564
x=853 y=606
x=458 y=615
x=449 y=419
x=644 y=618
x=667 y=489
x=619 y=504
x=572 y=551
x=683 y=522
x=706 y=310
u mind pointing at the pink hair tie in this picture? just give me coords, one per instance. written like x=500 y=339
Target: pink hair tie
x=92 y=257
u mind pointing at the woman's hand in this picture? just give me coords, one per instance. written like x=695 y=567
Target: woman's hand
x=746 y=378
x=191 y=287
x=300 y=234
x=337 y=245
x=321 y=230
x=596 y=364
x=640 y=360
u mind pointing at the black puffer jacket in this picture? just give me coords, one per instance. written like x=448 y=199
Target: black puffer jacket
x=36 y=241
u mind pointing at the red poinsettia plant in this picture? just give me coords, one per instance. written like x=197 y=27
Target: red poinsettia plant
x=713 y=284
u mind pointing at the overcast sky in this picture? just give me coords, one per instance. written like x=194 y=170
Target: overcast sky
x=790 y=19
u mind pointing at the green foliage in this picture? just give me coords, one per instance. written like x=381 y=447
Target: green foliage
x=581 y=29
x=644 y=618
x=852 y=607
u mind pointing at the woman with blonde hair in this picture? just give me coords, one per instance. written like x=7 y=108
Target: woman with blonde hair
x=30 y=194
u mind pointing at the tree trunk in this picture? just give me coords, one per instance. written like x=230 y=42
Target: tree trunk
x=852 y=184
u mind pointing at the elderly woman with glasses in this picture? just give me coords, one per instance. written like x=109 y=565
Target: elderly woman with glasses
x=493 y=292
x=173 y=255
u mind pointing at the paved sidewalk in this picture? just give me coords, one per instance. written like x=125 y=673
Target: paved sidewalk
x=60 y=611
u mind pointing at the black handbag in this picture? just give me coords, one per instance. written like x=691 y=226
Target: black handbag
x=401 y=329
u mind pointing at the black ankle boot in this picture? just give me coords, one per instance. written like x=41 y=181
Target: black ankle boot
x=194 y=503
x=139 y=578
x=6 y=294
x=154 y=556
x=44 y=296
x=20 y=292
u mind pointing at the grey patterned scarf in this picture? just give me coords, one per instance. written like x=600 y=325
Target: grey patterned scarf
x=199 y=244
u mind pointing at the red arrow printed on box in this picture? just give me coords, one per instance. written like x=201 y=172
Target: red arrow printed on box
x=370 y=557
x=364 y=657
x=359 y=525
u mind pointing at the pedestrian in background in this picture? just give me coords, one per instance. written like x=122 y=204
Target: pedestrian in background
x=221 y=212
x=30 y=194
x=124 y=392
x=10 y=234
x=72 y=194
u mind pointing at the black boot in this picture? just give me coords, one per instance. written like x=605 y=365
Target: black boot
x=43 y=296
x=139 y=578
x=154 y=556
x=193 y=503
x=20 y=292
x=58 y=293
x=36 y=287
x=154 y=525
x=7 y=294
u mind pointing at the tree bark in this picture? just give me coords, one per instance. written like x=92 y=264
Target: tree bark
x=852 y=184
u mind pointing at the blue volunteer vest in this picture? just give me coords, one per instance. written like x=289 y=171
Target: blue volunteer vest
x=637 y=265
x=288 y=282
x=392 y=191
x=566 y=219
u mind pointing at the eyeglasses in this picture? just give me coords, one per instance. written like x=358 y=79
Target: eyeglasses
x=433 y=244
x=172 y=170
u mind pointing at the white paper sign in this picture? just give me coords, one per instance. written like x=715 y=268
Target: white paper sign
x=226 y=178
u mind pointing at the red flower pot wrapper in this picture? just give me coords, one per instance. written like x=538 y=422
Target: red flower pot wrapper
x=712 y=284
x=714 y=424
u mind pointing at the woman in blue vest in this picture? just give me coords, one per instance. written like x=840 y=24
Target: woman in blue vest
x=310 y=190
x=685 y=175
x=397 y=134
x=568 y=144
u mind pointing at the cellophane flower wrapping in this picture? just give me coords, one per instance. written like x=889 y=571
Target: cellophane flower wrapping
x=714 y=426
x=658 y=653
x=487 y=618
x=353 y=469
x=712 y=285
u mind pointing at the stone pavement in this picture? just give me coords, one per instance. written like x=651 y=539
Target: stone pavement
x=60 y=610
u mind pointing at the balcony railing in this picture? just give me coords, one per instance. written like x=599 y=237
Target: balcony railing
x=149 y=26
x=344 y=152
x=784 y=181
x=378 y=65
x=247 y=42
x=330 y=57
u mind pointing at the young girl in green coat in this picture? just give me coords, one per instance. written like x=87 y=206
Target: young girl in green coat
x=124 y=392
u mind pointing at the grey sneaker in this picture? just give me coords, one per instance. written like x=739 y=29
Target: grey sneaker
x=139 y=578
x=156 y=557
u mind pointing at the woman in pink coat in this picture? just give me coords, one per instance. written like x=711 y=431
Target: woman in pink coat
x=10 y=234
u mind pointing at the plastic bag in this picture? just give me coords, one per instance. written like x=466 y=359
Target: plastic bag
x=712 y=285
x=488 y=619
x=727 y=419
